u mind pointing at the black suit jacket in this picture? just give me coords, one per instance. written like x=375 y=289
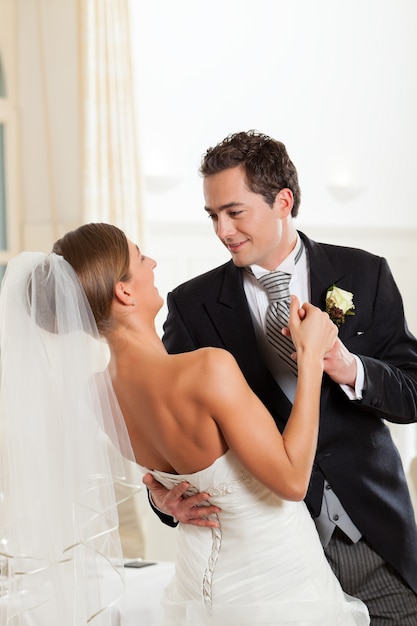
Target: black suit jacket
x=355 y=450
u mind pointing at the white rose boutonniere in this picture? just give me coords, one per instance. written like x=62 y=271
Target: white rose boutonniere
x=339 y=303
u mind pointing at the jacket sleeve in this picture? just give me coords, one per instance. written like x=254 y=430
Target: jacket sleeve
x=177 y=337
x=390 y=362
x=166 y=519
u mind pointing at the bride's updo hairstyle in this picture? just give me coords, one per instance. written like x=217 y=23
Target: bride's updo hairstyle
x=99 y=254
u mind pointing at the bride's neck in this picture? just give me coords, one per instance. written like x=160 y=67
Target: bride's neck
x=139 y=338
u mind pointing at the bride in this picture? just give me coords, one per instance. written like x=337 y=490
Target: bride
x=192 y=418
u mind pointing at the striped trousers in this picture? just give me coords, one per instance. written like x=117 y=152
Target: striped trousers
x=364 y=574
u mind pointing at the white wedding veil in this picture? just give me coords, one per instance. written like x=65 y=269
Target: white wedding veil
x=62 y=443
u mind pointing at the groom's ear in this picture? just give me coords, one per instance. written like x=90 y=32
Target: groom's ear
x=122 y=294
x=284 y=201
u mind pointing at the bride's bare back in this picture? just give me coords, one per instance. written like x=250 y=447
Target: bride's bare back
x=167 y=405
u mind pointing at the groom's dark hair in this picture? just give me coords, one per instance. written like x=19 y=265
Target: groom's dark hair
x=265 y=161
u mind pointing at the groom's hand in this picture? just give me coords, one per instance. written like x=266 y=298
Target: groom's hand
x=193 y=509
x=340 y=365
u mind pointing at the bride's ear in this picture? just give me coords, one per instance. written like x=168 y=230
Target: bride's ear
x=123 y=295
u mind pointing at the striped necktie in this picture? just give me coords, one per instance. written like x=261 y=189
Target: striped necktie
x=278 y=312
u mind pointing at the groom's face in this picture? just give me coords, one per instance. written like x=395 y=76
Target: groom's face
x=249 y=228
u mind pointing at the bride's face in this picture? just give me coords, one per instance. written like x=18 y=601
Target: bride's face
x=142 y=279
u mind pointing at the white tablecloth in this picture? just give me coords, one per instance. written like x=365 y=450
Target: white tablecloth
x=141 y=602
x=140 y=605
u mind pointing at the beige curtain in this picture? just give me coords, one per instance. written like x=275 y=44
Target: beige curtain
x=111 y=185
x=110 y=164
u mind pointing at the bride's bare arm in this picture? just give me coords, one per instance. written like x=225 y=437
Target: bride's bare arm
x=282 y=463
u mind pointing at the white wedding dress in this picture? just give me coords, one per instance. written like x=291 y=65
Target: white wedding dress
x=263 y=566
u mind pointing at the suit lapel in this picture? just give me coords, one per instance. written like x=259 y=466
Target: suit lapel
x=231 y=316
x=323 y=274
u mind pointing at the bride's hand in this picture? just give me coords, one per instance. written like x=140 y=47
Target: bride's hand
x=310 y=329
x=187 y=510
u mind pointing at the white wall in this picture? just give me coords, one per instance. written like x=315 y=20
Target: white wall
x=336 y=82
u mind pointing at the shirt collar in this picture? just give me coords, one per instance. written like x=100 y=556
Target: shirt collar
x=288 y=264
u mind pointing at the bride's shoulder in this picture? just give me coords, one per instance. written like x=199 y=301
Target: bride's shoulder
x=208 y=367
x=212 y=358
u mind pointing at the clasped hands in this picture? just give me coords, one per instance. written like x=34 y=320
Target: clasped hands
x=339 y=364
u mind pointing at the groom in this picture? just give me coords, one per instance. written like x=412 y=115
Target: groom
x=358 y=495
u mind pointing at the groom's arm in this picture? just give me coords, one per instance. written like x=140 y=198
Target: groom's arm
x=386 y=349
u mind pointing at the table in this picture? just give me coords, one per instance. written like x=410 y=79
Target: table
x=141 y=603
